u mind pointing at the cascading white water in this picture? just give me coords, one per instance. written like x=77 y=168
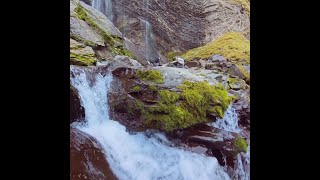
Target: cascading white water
x=242 y=162
x=135 y=157
x=229 y=121
x=150 y=44
x=104 y=6
x=147 y=38
x=108 y=9
x=242 y=166
x=98 y=4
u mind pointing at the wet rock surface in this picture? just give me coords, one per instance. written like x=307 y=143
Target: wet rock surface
x=76 y=110
x=87 y=159
x=205 y=139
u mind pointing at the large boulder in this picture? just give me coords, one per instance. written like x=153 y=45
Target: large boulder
x=102 y=39
x=165 y=98
x=81 y=54
x=205 y=139
x=87 y=159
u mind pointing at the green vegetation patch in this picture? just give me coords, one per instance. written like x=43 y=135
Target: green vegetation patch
x=172 y=54
x=82 y=59
x=240 y=144
x=232 y=45
x=182 y=110
x=114 y=43
x=136 y=88
x=150 y=75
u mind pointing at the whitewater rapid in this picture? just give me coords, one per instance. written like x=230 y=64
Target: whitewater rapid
x=135 y=156
x=229 y=122
x=242 y=162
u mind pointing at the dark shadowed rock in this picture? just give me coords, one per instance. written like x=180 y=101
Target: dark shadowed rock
x=87 y=159
x=235 y=71
x=89 y=2
x=194 y=63
x=217 y=143
x=76 y=109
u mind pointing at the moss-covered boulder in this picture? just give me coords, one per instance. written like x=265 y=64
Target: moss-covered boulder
x=239 y=71
x=150 y=75
x=195 y=102
x=93 y=29
x=156 y=103
x=237 y=84
x=81 y=30
x=81 y=54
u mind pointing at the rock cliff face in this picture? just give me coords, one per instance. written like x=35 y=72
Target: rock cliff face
x=177 y=25
x=94 y=38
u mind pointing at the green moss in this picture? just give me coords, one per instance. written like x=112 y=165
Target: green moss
x=201 y=95
x=120 y=50
x=244 y=3
x=76 y=45
x=232 y=45
x=150 y=75
x=168 y=114
x=82 y=59
x=153 y=88
x=172 y=54
x=114 y=43
x=181 y=110
x=240 y=144
x=136 y=88
x=168 y=97
x=218 y=110
x=134 y=107
x=232 y=80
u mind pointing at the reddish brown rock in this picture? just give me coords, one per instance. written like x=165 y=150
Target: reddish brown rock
x=76 y=110
x=87 y=160
x=191 y=64
x=218 y=143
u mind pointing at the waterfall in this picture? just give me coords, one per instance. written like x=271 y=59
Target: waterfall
x=135 y=156
x=242 y=162
x=147 y=38
x=150 y=44
x=104 y=6
x=229 y=121
x=108 y=10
